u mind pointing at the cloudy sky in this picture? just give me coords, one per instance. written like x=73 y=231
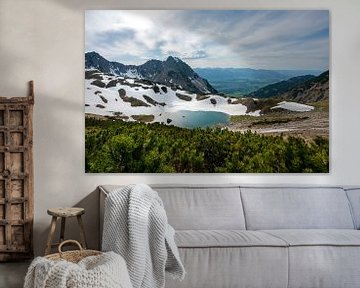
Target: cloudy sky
x=268 y=39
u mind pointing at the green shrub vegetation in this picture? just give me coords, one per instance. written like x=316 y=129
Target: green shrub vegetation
x=134 y=102
x=213 y=101
x=130 y=147
x=111 y=83
x=93 y=74
x=98 y=83
x=152 y=101
x=183 y=97
x=200 y=97
x=143 y=118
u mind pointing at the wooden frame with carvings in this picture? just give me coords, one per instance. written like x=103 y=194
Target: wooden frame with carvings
x=16 y=177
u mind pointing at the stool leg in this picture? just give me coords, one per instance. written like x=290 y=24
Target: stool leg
x=62 y=230
x=51 y=235
x=82 y=232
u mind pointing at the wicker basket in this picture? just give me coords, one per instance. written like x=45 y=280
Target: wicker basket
x=72 y=256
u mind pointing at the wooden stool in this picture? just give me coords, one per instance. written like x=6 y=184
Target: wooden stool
x=64 y=213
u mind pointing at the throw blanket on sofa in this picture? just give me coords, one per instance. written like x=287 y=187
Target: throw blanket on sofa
x=103 y=271
x=136 y=227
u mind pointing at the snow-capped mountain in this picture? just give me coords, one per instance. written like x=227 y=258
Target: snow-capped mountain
x=133 y=99
x=172 y=72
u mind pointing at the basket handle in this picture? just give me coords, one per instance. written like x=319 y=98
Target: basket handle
x=69 y=241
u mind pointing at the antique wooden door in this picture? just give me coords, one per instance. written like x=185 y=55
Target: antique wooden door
x=16 y=177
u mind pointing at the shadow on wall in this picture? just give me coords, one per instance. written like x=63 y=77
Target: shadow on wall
x=30 y=53
x=56 y=149
x=72 y=231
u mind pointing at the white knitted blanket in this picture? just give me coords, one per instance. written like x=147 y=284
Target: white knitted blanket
x=103 y=271
x=136 y=227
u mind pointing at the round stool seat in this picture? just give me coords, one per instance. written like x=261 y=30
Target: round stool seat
x=66 y=211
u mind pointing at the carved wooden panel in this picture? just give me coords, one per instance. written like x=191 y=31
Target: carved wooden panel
x=16 y=177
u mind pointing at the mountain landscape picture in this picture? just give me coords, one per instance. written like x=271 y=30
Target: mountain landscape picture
x=207 y=91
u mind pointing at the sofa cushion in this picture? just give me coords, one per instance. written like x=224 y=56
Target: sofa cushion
x=324 y=266
x=296 y=208
x=226 y=238
x=199 y=207
x=317 y=237
x=224 y=267
x=204 y=208
x=322 y=258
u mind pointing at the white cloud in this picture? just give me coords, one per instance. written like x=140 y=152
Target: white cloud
x=211 y=38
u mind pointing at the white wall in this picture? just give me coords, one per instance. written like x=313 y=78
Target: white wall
x=43 y=40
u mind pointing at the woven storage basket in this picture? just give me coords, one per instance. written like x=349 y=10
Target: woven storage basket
x=72 y=256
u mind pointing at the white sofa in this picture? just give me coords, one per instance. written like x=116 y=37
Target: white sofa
x=263 y=237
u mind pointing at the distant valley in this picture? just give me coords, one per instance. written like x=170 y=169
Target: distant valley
x=242 y=81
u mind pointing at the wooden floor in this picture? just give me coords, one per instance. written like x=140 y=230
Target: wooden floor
x=12 y=274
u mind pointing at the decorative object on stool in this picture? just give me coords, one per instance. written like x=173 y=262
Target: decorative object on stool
x=16 y=177
x=64 y=213
x=80 y=268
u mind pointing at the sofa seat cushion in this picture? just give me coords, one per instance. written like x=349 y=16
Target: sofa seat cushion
x=322 y=258
x=225 y=238
x=233 y=267
x=317 y=237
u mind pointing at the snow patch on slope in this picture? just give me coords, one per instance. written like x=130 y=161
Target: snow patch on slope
x=293 y=106
x=107 y=102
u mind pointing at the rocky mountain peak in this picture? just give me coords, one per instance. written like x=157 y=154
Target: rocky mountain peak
x=172 y=71
x=173 y=59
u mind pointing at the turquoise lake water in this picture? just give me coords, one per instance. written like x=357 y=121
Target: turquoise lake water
x=197 y=119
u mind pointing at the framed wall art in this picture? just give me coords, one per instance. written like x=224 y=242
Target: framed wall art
x=207 y=91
